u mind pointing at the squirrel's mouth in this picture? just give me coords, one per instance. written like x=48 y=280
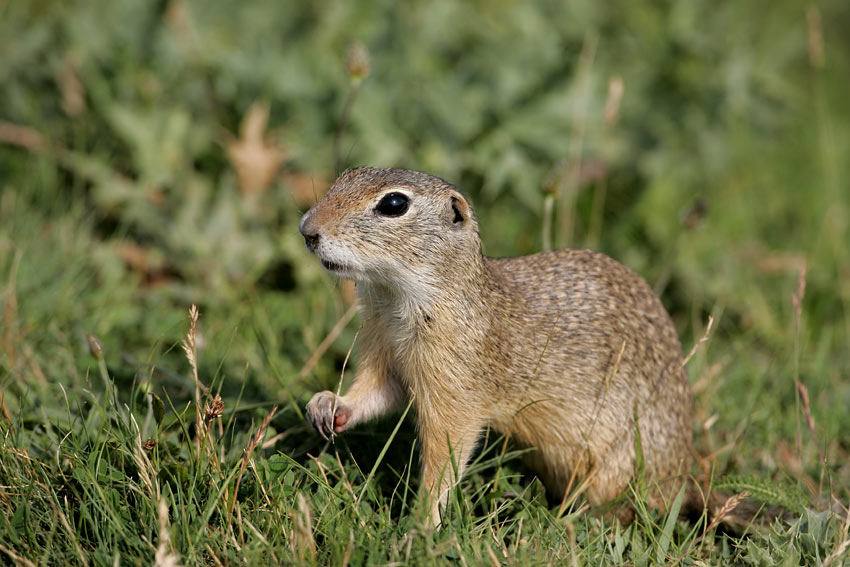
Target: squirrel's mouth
x=333 y=266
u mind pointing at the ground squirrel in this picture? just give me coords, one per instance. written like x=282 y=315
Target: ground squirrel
x=561 y=350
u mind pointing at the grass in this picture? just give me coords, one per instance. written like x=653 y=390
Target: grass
x=146 y=173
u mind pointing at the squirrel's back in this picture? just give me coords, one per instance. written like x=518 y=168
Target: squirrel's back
x=602 y=361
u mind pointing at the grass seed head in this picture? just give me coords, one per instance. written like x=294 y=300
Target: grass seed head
x=357 y=63
x=95 y=348
x=214 y=408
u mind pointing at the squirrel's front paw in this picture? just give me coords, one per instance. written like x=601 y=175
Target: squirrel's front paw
x=328 y=417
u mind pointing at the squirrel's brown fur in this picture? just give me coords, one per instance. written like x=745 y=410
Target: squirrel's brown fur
x=569 y=352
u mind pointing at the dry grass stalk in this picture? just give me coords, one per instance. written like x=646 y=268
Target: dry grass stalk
x=146 y=470
x=357 y=67
x=22 y=136
x=246 y=457
x=799 y=293
x=71 y=87
x=5 y=411
x=702 y=339
x=303 y=543
x=268 y=500
x=346 y=556
x=802 y=391
x=807 y=410
x=322 y=468
x=342 y=373
x=728 y=507
x=815 y=36
x=18 y=559
x=212 y=555
x=72 y=534
x=345 y=482
x=572 y=493
x=328 y=341
x=616 y=88
x=571 y=538
x=165 y=556
x=10 y=312
x=600 y=401
x=731 y=503
x=189 y=347
x=491 y=555
x=34 y=366
x=838 y=553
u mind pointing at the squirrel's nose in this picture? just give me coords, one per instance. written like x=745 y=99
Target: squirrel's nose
x=311 y=239
x=309 y=231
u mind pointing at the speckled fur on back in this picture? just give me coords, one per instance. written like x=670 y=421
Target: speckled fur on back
x=561 y=350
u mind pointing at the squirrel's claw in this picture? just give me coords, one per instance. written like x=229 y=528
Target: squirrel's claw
x=321 y=413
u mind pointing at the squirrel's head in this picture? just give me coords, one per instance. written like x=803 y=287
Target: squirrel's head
x=392 y=227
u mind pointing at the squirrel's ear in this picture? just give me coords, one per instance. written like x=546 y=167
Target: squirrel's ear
x=459 y=211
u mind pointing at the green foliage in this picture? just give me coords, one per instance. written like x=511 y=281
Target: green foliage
x=812 y=533
x=786 y=496
x=159 y=154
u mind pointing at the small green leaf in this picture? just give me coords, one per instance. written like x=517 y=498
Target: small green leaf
x=669 y=524
x=158 y=407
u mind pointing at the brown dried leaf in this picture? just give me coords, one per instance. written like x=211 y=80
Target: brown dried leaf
x=255 y=158
x=22 y=136
x=616 y=88
x=136 y=257
x=142 y=260
x=71 y=87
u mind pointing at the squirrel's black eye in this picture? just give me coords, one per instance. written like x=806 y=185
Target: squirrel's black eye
x=393 y=205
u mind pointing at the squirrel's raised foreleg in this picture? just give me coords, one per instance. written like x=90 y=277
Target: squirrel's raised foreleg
x=373 y=393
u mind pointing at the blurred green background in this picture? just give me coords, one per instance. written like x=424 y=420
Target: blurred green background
x=158 y=154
